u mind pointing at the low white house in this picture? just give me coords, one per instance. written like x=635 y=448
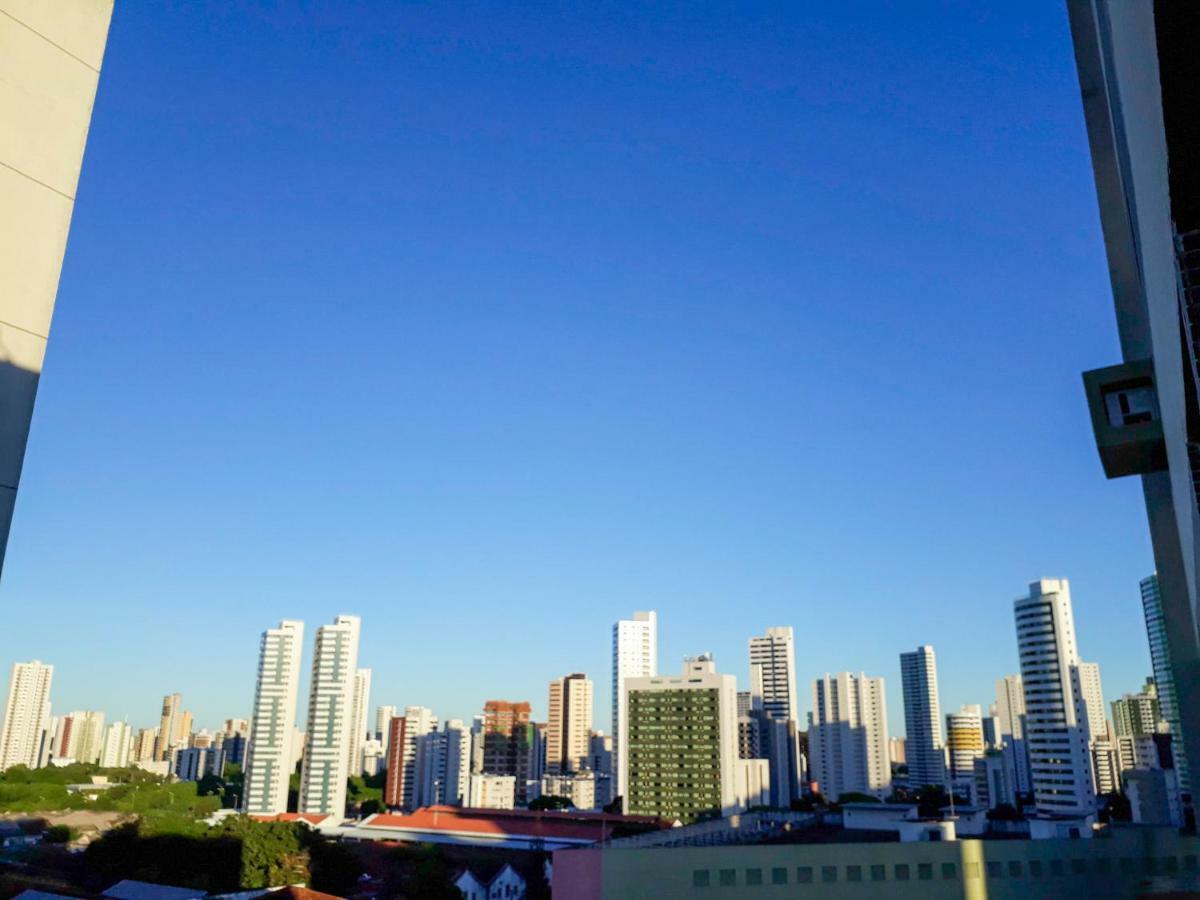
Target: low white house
x=507 y=884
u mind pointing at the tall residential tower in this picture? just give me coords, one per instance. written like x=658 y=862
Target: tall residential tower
x=922 y=718
x=269 y=748
x=26 y=714
x=330 y=718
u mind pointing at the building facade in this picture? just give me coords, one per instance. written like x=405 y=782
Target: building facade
x=1164 y=674
x=678 y=741
x=848 y=736
x=325 y=767
x=1055 y=724
x=635 y=655
x=922 y=718
x=774 y=655
x=964 y=742
x=269 y=760
x=359 y=718
x=569 y=725
x=49 y=71
x=401 y=787
x=26 y=713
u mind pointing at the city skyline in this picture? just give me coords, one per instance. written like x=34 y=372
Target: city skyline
x=540 y=708
x=584 y=404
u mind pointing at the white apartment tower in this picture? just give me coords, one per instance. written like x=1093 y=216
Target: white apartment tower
x=774 y=654
x=442 y=765
x=635 y=655
x=1056 y=725
x=922 y=717
x=118 y=741
x=26 y=712
x=848 y=736
x=569 y=725
x=1010 y=705
x=330 y=718
x=964 y=743
x=359 y=716
x=269 y=752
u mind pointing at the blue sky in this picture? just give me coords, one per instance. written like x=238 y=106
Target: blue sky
x=493 y=323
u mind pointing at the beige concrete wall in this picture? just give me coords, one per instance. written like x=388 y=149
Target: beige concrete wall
x=50 y=55
x=1120 y=866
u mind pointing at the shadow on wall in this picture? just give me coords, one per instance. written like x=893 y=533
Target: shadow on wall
x=18 y=388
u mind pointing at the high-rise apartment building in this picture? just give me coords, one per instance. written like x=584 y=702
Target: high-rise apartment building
x=678 y=744
x=1164 y=675
x=359 y=715
x=774 y=653
x=400 y=790
x=510 y=744
x=1137 y=714
x=1090 y=696
x=81 y=736
x=1137 y=81
x=383 y=722
x=118 y=742
x=1010 y=705
x=442 y=765
x=49 y=69
x=635 y=655
x=170 y=726
x=325 y=767
x=848 y=736
x=964 y=742
x=569 y=729
x=1056 y=725
x=922 y=717
x=26 y=712
x=269 y=762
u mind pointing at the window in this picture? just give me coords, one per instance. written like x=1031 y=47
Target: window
x=779 y=876
x=700 y=878
x=804 y=875
x=727 y=877
x=902 y=871
x=1035 y=868
x=1170 y=865
x=1057 y=868
x=1014 y=868
x=753 y=876
x=1079 y=867
x=1127 y=866
x=878 y=873
x=854 y=873
x=972 y=870
x=995 y=869
x=949 y=870
x=925 y=871
x=828 y=874
x=1103 y=865
x=1191 y=862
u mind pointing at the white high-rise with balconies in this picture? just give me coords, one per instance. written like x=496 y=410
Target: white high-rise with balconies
x=325 y=767
x=774 y=653
x=269 y=748
x=1056 y=725
x=922 y=718
x=26 y=712
x=848 y=736
x=118 y=741
x=635 y=655
x=359 y=716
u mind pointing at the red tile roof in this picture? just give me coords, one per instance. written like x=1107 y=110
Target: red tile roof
x=580 y=826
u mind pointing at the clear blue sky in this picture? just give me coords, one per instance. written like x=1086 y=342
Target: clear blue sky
x=494 y=323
